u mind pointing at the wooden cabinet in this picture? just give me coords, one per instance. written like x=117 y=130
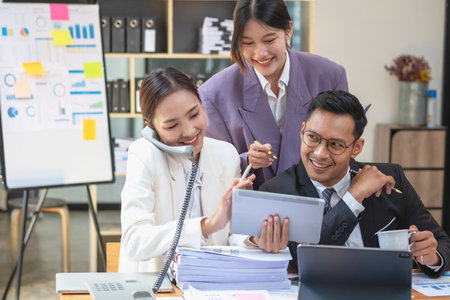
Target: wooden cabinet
x=421 y=153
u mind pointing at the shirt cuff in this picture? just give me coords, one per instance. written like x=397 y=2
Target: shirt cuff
x=437 y=268
x=354 y=205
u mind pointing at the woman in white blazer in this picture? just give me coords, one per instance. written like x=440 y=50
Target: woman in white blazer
x=156 y=181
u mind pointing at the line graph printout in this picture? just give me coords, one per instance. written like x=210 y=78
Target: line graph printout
x=51 y=82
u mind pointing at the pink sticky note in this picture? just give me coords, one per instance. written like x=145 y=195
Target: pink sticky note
x=59 y=12
x=250 y=297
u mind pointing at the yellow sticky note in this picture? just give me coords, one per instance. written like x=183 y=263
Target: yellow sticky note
x=22 y=89
x=33 y=68
x=89 y=131
x=61 y=37
x=93 y=70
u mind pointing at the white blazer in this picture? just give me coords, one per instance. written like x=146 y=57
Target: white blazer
x=153 y=196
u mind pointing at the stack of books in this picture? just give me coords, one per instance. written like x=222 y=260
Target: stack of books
x=230 y=268
x=121 y=154
x=215 y=36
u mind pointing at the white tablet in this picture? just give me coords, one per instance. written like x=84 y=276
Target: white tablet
x=251 y=208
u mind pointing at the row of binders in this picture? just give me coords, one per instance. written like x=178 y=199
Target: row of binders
x=230 y=268
x=128 y=34
x=118 y=95
x=215 y=36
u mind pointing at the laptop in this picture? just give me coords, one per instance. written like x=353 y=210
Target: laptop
x=250 y=208
x=335 y=272
x=75 y=283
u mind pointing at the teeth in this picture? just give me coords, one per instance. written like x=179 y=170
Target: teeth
x=265 y=61
x=319 y=165
x=190 y=141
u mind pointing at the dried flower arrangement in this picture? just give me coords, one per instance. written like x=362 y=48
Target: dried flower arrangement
x=410 y=68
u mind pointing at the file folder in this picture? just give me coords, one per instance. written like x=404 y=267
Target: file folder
x=106 y=33
x=108 y=95
x=118 y=34
x=138 y=92
x=124 y=96
x=115 y=96
x=133 y=34
x=148 y=34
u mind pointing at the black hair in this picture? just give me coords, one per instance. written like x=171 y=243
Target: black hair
x=160 y=84
x=273 y=13
x=341 y=103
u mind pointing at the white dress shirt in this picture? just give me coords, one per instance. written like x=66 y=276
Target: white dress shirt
x=277 y=104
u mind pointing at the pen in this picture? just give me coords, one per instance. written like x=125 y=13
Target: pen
x=393 y=188
x=268 y=152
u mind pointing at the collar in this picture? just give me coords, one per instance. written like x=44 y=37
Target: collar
x=341 y=187
x=187 y=166
x=284 y=77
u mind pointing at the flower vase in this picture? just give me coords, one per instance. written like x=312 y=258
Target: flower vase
x=412 y=104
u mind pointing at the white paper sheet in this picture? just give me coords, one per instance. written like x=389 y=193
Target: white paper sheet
x=431 y=287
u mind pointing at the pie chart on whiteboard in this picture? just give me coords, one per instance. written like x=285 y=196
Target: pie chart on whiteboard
x=12 y=112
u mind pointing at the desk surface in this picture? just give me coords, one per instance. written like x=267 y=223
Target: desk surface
x=178 y=293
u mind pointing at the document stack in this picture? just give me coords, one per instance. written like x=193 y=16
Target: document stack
x=230 y=268
x=215 y=36
x=121 y=154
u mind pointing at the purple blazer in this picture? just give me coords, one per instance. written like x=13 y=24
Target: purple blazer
x=238 y=110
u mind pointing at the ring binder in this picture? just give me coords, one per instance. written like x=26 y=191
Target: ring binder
x=106 y=33
x=118 y=34
x=148 y=34
x=133 y=35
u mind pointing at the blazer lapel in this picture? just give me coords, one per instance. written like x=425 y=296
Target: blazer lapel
x=298 y=97
x=307 y=187
x=257 y=115
x=177 y=185
x=212 y=182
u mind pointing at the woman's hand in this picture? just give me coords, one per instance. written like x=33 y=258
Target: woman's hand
x=258 y=155
x=222 y=215
x=274 y=237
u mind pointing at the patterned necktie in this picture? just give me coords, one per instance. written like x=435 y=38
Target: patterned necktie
x=326 y=195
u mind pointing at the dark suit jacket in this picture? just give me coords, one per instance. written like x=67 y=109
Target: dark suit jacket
x=238 y=110
x=340 y=221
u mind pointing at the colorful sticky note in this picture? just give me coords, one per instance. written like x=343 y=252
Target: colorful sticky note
x=61 y=37
x=59 y=12
x=33 y=68
x=250 y=297
x=93 y=70
x=89 y=130
x=22 y=90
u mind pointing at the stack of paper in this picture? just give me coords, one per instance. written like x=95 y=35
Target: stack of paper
x=121 y=154
x=215 y=36
x=229 y=267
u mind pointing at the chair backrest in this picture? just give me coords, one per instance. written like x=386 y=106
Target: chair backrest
x=112 y=256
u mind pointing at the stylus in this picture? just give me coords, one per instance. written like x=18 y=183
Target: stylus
x=247 y=170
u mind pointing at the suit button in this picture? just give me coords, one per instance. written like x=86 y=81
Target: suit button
x=338 y=234
x=345 y=225
x=334 y=238
x=341 y=229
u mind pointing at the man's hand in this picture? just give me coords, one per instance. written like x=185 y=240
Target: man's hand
x=274 y=237
x=424 y=247
x=368 y=181
x=258 y=155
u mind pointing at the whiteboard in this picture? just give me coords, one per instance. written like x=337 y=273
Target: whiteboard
x=53 y=108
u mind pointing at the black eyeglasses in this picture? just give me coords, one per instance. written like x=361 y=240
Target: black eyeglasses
x=335 y=146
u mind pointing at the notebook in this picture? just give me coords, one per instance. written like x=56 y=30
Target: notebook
x=250 y=208
x=334 y=272
x=75 y=283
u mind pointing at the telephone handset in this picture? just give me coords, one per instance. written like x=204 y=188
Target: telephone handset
x=188 y=151
x=150 y=135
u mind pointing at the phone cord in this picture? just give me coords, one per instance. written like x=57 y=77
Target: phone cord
x=176 y=238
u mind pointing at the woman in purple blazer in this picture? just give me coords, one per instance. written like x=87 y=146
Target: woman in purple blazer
x=264 y=95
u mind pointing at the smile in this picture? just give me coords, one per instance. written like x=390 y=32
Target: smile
x=192 y=141
x=264 y=62
x=319 y=166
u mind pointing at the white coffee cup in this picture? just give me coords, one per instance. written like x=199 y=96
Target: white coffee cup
x=394 y=239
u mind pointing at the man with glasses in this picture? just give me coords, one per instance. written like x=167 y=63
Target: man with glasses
x=360 y=198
